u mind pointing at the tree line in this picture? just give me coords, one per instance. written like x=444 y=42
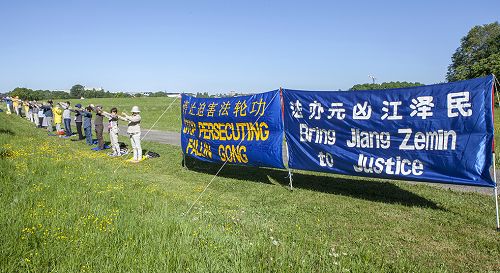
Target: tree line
x=76 y=92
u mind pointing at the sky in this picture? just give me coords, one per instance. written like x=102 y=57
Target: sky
x=220 y=46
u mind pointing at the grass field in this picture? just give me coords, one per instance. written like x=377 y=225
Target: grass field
x=63 y=209
x=151 y=110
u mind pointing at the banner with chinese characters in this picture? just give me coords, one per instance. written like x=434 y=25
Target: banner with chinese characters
x=438 y=133
x=244 y=130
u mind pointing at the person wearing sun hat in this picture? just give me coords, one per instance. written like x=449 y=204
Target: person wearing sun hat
x=134 y=132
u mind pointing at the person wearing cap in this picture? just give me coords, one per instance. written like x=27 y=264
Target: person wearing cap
x=78 y=120
x=98 y=125
x=134 y=132
x=66 y=115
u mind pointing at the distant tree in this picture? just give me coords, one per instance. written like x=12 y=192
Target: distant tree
x=478 y=54
x=202 y=95
x=77 y=91
x=384 y=85
x=158 y=94
x=23 y=93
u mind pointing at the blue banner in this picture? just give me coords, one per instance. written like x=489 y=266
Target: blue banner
x=438 y=133
x=244 y=130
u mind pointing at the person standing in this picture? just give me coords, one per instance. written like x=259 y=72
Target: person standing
x=134 y=132
x=57 y=112
x=26 y=108
x=99 y=126
x=67 y=118
x=15 y=104
x=47 y=113
x=8 y=103
x=78 y=120
x=41 y=116
x=113 y=130
x=35 y=110
x=87 y=124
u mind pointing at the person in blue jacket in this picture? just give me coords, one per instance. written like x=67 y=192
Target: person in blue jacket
x=87 y=124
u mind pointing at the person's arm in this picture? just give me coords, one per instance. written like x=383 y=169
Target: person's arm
x=122 y=118
x=135 y=118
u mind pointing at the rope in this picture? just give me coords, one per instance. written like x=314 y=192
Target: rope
x=225 y=162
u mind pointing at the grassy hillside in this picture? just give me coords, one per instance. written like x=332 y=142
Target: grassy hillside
x=63 y=209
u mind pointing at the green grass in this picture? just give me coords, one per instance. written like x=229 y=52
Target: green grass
x=63 y=209
x=151 y=110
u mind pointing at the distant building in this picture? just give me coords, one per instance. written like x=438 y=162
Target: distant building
x=93 y=88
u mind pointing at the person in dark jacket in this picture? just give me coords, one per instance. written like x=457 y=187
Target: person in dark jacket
x=78 y=120
x=47 y=112
x=99 y=125
x=87 y=124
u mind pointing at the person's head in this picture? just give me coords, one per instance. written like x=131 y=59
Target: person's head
x=135 y=110
x=68 y=103
x=89 y=108
x=78 y=106
x=114 y=110
x=50 y=102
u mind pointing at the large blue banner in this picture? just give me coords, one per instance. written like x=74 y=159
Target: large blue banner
x=439 y=133
x=244 y=130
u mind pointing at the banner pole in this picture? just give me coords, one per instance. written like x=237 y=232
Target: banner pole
x=495 y=191
x=290 y=174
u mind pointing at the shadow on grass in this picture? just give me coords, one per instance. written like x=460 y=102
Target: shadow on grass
x=7 y=132
x=378 y=191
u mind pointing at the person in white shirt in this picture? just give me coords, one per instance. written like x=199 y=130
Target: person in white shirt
x=134 y=132
x=66 y=115
x=113 y=130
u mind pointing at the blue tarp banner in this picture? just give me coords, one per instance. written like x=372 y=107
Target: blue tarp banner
x=244 y=130
x=438 y=133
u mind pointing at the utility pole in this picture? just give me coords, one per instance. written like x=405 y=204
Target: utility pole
x=373 y=78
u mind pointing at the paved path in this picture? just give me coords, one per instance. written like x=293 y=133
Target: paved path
x=174 y=138
x=164 y=137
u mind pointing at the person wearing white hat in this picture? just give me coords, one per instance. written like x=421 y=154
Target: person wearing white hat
x=134 y=132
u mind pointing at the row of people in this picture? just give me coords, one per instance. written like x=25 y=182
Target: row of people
x=47 y=115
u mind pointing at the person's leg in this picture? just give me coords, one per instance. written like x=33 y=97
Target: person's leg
x=88 y=135
x=40 y=122
x=58 y=127
x=137 y=140
x=49 y=124
x=113 y=137
x=100 y=137
x=36 y=119
x=70 y=132
x=134 y=150
x=79 y=130
x=67 y=126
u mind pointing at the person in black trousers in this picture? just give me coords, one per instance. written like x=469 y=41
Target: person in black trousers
x=78 y=120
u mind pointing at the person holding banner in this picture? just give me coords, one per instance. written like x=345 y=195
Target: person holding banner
x=134 y=132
